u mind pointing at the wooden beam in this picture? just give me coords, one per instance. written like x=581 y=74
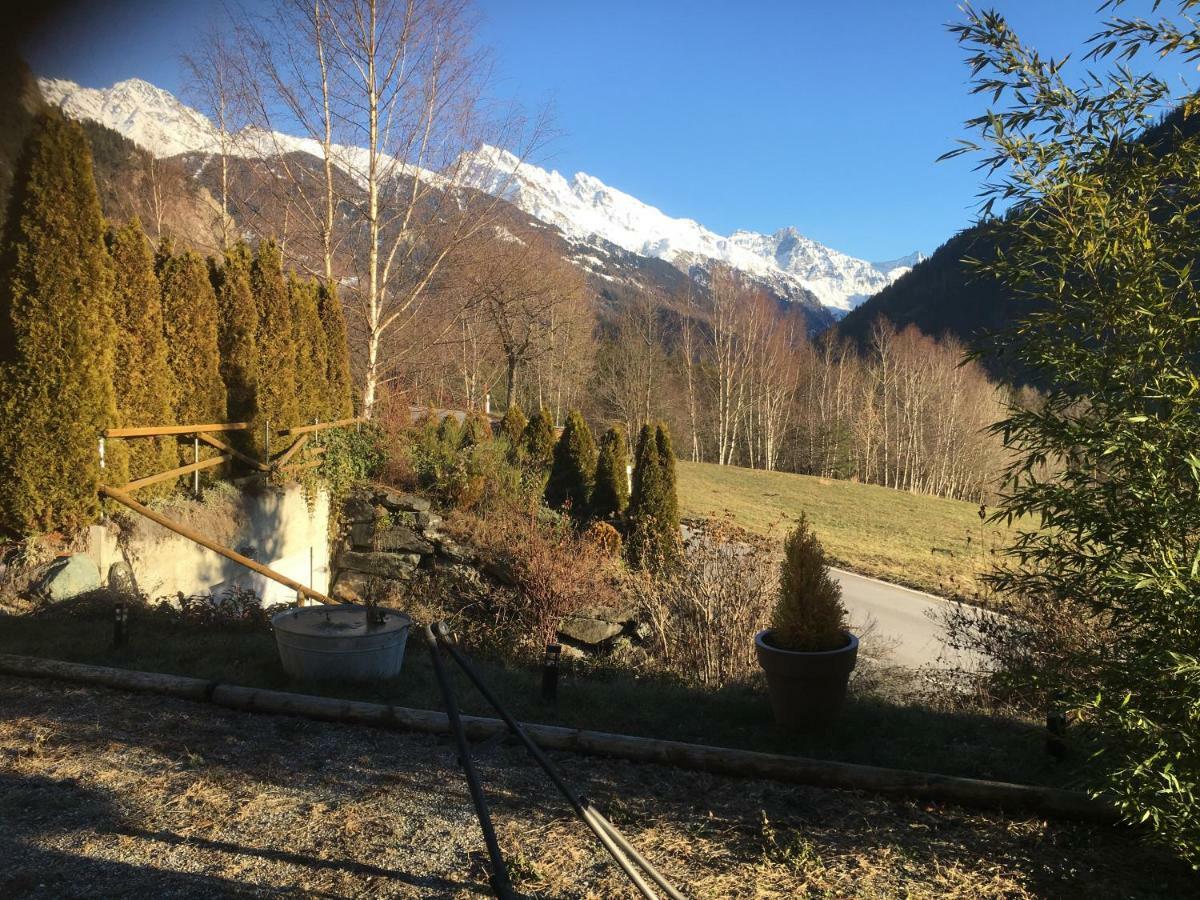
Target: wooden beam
x=192 y=535
x=306 y=429
x=175 y=473
x=159 y=430
x=719 y=760
x=235 y=453
x=291 y=451
x=300 y=466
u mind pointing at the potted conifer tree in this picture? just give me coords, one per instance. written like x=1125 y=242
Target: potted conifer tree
x=807 y=653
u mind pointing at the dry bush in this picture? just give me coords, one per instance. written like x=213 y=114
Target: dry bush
x=552 y=571
x=705 y=614
x=605 y=538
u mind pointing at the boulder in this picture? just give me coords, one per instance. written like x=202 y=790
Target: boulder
x=354 y=587
x=358 y=510
x=70 y=577
x=401 y=539
x=121 y=580
x=385 y=565
x=394 y=501
x=362 y=536
x=618 y=616
x=589 y=631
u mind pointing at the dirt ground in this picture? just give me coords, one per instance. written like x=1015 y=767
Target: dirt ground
x=106 y=794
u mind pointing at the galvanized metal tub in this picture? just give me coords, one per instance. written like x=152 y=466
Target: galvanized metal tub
x=339 y=643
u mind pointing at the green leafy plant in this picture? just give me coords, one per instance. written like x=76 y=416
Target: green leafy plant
x=808 y=615
x=1100 y=247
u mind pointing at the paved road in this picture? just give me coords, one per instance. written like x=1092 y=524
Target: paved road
x=902 y=621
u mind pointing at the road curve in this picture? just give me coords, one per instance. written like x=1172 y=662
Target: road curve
x=907 y=630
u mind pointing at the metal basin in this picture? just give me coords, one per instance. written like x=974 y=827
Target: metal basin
x=337 y=643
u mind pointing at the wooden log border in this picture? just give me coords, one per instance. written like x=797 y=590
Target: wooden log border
x=694 y=757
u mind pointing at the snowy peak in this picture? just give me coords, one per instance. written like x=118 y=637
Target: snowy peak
x=585 y=206
x=147 y=115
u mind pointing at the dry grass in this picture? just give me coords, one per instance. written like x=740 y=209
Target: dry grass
x=929 y=543
x=105 y=794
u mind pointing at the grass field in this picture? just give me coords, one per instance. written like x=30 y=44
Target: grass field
x=924 y=542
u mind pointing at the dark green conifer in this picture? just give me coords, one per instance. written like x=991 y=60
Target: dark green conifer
x=449 y=432
x=573 y=469
x=652 y=516
x=338 y=404
x=237 y=331
x=190 y=325
x=56 y=335
x=512 y=428
x=277 y=400
x=146 y=389
x=610 y=495
x=312 y=355
x=476 y=429
x=539 y=441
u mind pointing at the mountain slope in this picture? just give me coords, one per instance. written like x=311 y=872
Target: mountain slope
x=585 y=207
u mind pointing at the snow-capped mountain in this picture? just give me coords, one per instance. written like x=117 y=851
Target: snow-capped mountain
x=583 y=208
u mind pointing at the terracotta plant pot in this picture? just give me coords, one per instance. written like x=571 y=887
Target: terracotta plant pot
x=806 y=688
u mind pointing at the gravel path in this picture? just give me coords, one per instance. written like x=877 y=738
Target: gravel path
x=105 y=794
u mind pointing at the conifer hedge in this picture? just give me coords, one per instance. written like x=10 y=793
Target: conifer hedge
x=476 y=429
x=277 y=402
x=610 y=495
x=237 y=331
x=573 y=469
x=146 y=389
x=56 y=335
x=312 y=356
x=512 y=427
x=338 y=404
x=190 y=325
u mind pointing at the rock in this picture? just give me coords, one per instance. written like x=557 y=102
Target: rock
x=620 y=616
x=362 y=535
x=571 y=653
x=454 y=551
x=385 y=565
x=500 y=570
x=401 y=539
x=358 y=510
x=393 y=501
x=69 y=578
x=121 y=580
x=588 y=631
x=354 y=587
x=428 y=521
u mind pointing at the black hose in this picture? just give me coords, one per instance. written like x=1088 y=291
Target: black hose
x=499 y=875
x=604 y=830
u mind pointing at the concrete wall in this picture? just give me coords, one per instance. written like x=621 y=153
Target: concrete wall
x=275 y=527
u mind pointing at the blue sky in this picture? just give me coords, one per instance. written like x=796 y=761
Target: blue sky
x=824 y=115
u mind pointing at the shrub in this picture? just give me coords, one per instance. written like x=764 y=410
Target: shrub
x=472 y=476
x=809 y=614
x=605 y=537
x=552 y=572
x=146 y=390
x=338 y=404
x=573 y=469
x=512 y=426
x=190 y=324
x=56 y=335
x=476 y=429
x=277 y=389
x=352 y=455
x=237 y=332
x=539 y=441
x=653 y=513
x=703 y=614
x=610 y=495
x=449 y=432
x=312 y=357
